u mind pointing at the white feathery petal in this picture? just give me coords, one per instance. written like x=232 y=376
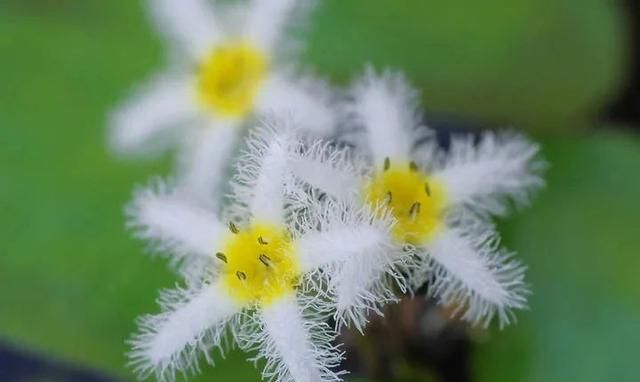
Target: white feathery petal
x=490 y=175
x=174 y=225
x=307 y=100
x=261 y=177
x=266 y=21
x=387 y=108
x=365 y=283
x=296 y=349
x=144 y=124
x=338 y=184
x=341 y=233
x=204 y=160
x=319 y=249
x=356 y=256
x=192 y=323
x=189 y=24
x=471 y=272
x=332 y=170
x=268 y=199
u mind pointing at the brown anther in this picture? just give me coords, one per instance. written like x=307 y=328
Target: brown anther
x=387 y=163
x=415 y=209
x=413 y=166
x=262 y=241
x=241 y=275
x=388 y=197
x=265 y=259
x=233 y=228
x=221 y=256
x=427 y=189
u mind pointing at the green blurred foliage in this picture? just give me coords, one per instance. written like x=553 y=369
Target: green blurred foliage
x=541 y=64
x=72 y=280
x=580 y=241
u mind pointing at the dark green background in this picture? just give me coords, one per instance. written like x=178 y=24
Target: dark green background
x=72 y=280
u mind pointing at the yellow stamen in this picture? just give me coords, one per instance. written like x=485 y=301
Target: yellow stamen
x=415 y=200
x=229 y=79
x=261 y=264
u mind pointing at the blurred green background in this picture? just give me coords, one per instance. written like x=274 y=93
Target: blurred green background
x=72 y=280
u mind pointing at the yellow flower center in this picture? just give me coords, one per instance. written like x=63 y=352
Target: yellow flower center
x=259 y=264
x=415 y=200
x=229 y=79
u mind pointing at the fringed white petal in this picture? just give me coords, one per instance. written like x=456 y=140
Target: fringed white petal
x=190 y=24
x=341 y=185
x=262 y=174
x=191 y=324
x=365 y=283
x=493 y=174
x=146 y=123
x=266 y=21
x=268 y=199
x=204 y=160
x=174 y=225
x=387 y=107
x=331 y=170
x=469 y=271
x=296 y=349
x=355 y=253
x=340 y=233
x=308 y=101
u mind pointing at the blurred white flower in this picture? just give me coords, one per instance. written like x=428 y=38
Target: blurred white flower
x=440 y=200
x=228 y=64
x=263 y=288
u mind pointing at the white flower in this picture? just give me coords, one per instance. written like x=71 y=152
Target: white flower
x=261 y=285
x=440 y=199
x=227 y=67
x=366 y=281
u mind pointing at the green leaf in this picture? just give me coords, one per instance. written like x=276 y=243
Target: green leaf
x=542 y=64
x=580 y=241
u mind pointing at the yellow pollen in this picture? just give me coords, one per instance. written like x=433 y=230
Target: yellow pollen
x=259 y=264
x=229 y=79
x=415 y=200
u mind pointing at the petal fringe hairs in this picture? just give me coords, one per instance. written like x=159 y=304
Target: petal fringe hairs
x=339 y=202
